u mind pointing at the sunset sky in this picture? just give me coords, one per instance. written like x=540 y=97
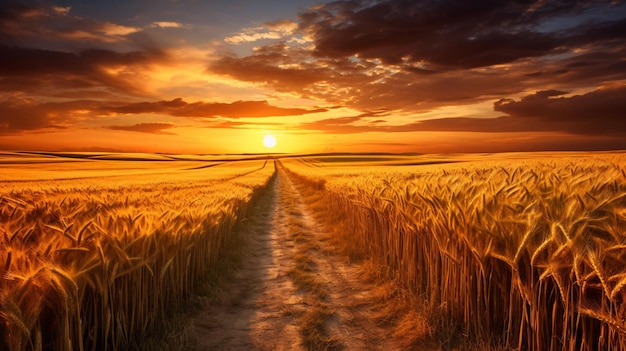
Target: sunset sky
x=217 y=76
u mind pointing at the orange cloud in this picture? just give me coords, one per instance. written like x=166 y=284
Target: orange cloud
x=18 y=116
x=167 y=24
x=154 y=128
x=599 y=113
x=237 y=109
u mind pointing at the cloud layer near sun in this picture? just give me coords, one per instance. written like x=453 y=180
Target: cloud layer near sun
x=24 y=116
x=541 y=111
x=527 y=74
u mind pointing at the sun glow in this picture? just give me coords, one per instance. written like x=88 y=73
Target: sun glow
x=269 y=141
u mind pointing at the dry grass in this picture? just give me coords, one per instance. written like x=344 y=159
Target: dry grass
x=526 y=254
x=100 y=264
x=313 y=321
x=408 y=320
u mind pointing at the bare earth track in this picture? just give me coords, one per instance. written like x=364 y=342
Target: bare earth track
x=293 y=291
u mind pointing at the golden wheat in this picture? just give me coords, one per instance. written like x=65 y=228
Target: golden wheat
x=95 y=262
x=532 y=251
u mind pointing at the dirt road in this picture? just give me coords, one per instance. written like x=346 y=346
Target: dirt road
x=293 y=291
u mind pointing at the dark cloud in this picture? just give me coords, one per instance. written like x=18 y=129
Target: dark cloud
x=600 y=112
x=366 y=86
x=597 y=113
x=46 y=51
x=415 y=56
x=16 y=61
x=26 y=115
x=263 y=66
x=15 y=117
x=153 y=128
x=449 y=34
x=39 y=69
x=41 y=26
x=13 y=10
x=237 y=109
x=147 y=107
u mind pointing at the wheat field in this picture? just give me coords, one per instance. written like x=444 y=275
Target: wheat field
x=529 y=253
x=95 y=254
x=516 y=251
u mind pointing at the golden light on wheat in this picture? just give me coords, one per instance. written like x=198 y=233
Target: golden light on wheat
x=531 y=252
x=95 y=264
x=528 y=253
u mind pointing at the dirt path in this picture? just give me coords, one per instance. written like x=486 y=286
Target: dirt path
x=293 y=291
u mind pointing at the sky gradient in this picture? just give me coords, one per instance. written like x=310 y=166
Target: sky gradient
x=191 y=76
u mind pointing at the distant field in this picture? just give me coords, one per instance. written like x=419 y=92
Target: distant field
x=20 y=167
x=526 y=250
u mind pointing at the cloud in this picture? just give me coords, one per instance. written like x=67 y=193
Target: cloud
x=20 y=22
x=596 y=113
x=446 y=34
x=229 y=124
x=112 y=29
x=237 y=109
x=283 y=26
x=416 y=56
x=167 y=24
x=25 y=115
x=600 y=112
x=361 y=84
x=270 y=30
x=281 y=67
x=48 y=52
x=13 y=10
x=336 y=121
x=250 y=36
x=33 y=70
x=62 y=10
x=22 y=115
x=153 y=128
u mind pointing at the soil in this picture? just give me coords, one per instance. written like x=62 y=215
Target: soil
x=263 y=307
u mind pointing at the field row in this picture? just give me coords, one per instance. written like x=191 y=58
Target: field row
x=530 y=252
x=97 y=262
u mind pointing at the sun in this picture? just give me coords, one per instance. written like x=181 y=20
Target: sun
x=269 y=141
